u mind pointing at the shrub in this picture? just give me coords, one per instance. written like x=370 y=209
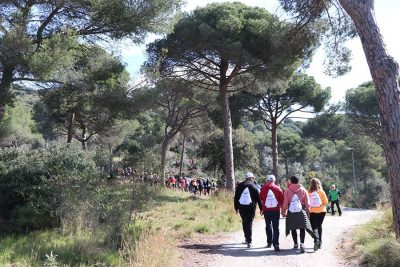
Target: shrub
x=35 y=183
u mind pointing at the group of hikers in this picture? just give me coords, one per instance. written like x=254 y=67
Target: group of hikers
x=304 y=209
x=194 y=185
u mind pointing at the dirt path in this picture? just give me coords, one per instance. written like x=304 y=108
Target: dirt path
x=229 y=251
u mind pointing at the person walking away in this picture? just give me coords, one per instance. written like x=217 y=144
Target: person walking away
x=207 y=185
x=271 y=197
x=213 y=186
x=195 y=186
x=296 y=207
x=318 y=202
x=245 y=201
x=334 y=195
x=200 y=182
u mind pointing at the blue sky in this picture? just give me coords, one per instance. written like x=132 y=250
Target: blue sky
x=387 y=13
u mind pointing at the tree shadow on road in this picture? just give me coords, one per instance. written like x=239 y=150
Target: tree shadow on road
x=237 y=250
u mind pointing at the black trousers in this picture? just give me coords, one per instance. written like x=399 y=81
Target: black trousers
x=316 y=220
x=337 y=205
x=302 y=236
x=272 y=226
x=247 y=214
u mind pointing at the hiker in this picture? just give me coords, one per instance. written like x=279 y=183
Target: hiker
x=200 y=182
x=245 y=201
x=271 y=196
x=207 y=187
x=318 y=201
x=213 y=186
x=295 y=208
x=334 y=195
x=195 y=186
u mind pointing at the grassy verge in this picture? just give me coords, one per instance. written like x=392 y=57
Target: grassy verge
x=169 y=215
x=375 y=243
x=184 y=214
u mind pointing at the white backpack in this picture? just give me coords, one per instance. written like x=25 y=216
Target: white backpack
x=315 y=200
x=245 y=198
x=270 y=201
x=295 y=204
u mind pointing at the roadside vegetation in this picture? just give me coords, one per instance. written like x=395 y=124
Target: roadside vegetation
x=168 y=216
x=375 y=243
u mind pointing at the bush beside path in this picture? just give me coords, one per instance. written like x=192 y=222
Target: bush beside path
x=229 y=250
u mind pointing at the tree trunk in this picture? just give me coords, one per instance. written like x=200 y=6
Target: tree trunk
x=84 y=139
x=274 y=148
x=384 y=71
x=182 y=153
x=110 y=160
x=226 y=113
x=164 y=147
x=70 y=127
x=287 y=168
x=5 y=84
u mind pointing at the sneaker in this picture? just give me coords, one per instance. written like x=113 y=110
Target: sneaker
x=268 y=245
x=276 y=248
x=316 y=245
x=249 y=245
x=296 y=246
x=302 y=250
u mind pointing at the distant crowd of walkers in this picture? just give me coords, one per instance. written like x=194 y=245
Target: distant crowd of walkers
x=304 y=209
x=193 y=185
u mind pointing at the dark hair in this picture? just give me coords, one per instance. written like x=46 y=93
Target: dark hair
x=294 y=179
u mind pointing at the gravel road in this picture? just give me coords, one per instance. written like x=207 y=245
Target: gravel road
x=227 y=250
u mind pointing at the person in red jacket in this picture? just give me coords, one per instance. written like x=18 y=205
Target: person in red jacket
x=271 y=196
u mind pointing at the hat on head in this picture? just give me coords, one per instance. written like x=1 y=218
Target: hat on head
x=249 y=175
x=271 y=177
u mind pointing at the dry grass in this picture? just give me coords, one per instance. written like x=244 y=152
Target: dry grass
x=153 y=249
x=375 y=243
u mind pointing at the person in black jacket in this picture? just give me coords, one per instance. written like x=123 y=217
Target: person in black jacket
x=246 y=198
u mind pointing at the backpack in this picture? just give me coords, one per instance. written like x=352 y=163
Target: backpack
x=315 y=200
x=270 y=201
x=245 y=198
x=295 y=204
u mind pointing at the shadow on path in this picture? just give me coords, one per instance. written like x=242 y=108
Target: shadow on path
x=239 y=250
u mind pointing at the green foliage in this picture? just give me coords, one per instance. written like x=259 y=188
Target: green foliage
x=37 y=39
x=34 y=184
x=245 y=38
x=244 y=154
x=17 y=127
x=363 y=110
x=94 y=93
x=327 y=125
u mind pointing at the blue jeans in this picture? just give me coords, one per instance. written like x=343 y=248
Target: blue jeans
x=272 y=226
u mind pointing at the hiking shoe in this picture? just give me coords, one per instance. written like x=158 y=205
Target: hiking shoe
x=316 y=245
x=268 y=245
x=302 y=250
x=276 y=248
x=296 y=246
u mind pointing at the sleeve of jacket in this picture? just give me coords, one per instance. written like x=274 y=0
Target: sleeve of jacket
x=280 y=196
x=236 y=198
x=323 y=197
x=256 y=195
x=306 y=200
x=263 y=195
x=285 y=201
